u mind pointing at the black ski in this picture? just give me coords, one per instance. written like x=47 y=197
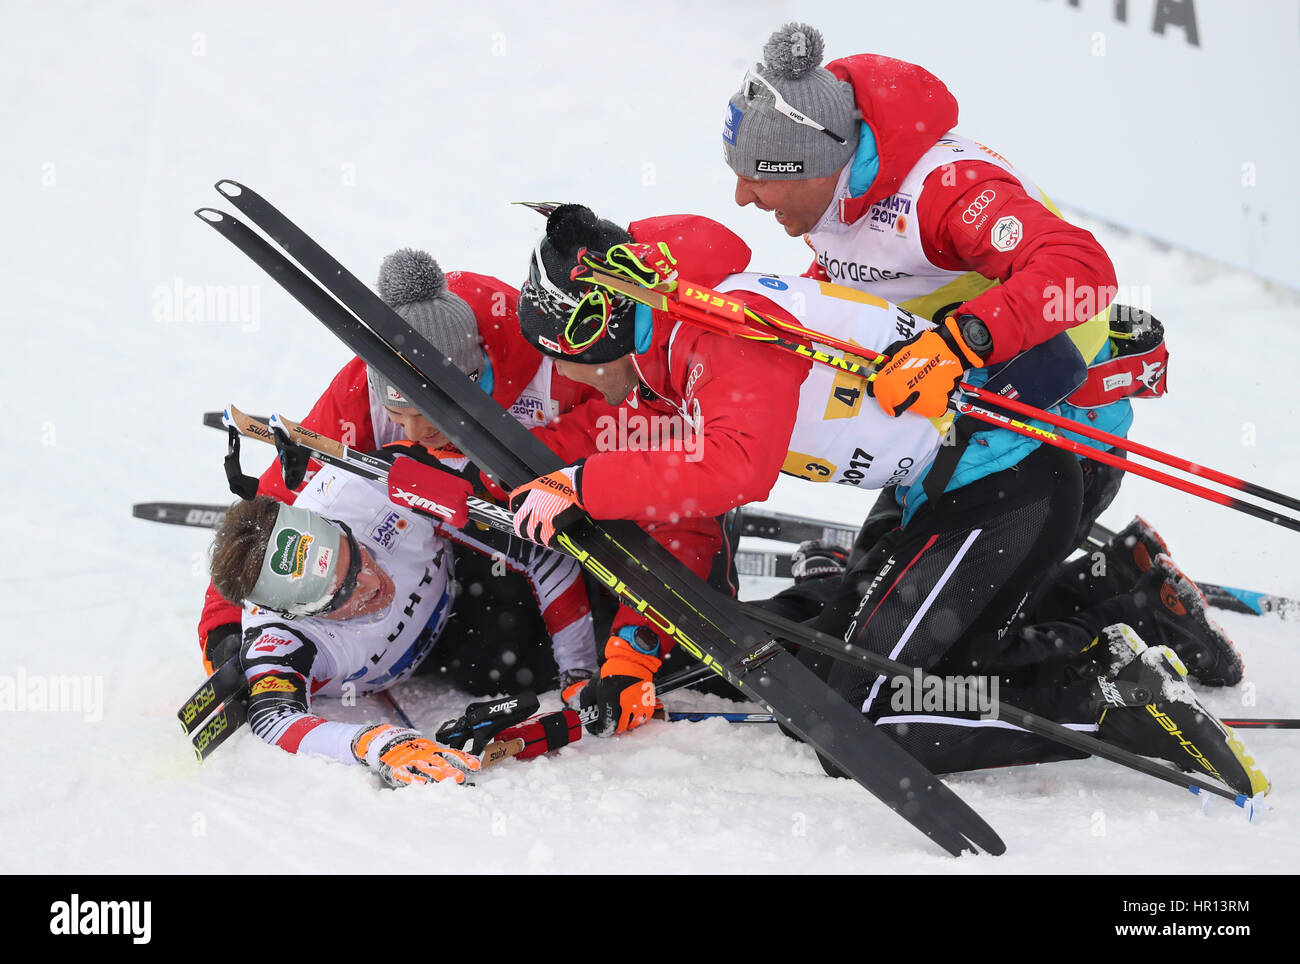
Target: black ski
x=772 y=562
x=195 y=514
x=216 y=709
x=619 y=554
x=838 y=649
x=224 y=684
x=219 y=727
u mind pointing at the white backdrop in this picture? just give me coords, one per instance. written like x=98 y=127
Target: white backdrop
x=1176 y=118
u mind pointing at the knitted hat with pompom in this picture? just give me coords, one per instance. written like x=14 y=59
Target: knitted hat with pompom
x=761 y=142
x=411 y=282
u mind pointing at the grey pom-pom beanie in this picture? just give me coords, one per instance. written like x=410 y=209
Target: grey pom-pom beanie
x=759 y=141
x=411 y=282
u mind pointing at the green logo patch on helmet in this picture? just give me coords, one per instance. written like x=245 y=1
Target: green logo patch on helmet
x=289 y=557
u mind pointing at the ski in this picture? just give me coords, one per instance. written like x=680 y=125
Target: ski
x=219 y=727
x=698 y=716
x=225 y=683
x=618 y=554
x=198 y=515
x=740 y=716
x=1264 y=723
x=839 y=649
x=774 y=563
x=216 y=709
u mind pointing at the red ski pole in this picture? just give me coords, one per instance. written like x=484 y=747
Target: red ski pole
x=720 y=313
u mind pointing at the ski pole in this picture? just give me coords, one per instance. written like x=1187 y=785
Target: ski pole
x=717 y=312
x=1054 y=419
x=740 y=716
x=559 y=728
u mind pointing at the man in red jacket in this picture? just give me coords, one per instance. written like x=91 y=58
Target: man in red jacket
x=861 y=158
x=471 y=318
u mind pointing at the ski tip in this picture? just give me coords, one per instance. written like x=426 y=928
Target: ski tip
x=229 y=188
x=997 y=851
x=544 y=208
x=966 y=842
x=211 y=215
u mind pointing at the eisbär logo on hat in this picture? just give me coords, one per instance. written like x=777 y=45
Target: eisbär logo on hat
x=778 y=167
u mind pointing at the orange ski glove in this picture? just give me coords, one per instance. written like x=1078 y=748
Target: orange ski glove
x=624 y=695
x=923 y=370
x=403 y=757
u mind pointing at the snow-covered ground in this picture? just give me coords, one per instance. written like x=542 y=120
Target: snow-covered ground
x=415 y=126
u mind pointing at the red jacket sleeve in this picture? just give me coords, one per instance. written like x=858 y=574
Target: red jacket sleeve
x=975 y=216
x=705 y=250
x=572 y=435
x=342 y=412
x=743 y=398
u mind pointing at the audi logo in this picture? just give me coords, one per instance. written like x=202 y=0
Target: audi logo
x=978 y=205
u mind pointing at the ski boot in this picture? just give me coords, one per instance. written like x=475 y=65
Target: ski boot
x=1131 y=551
x=1148 y=707
x=1102 y=572
x=1182 y=622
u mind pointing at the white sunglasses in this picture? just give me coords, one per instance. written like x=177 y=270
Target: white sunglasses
x=753 y=78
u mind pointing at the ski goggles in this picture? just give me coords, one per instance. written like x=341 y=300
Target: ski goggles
x=348 y=584
x=750 y=88
x=586 y=318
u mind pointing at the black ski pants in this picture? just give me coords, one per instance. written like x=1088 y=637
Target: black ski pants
x=945 y=594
